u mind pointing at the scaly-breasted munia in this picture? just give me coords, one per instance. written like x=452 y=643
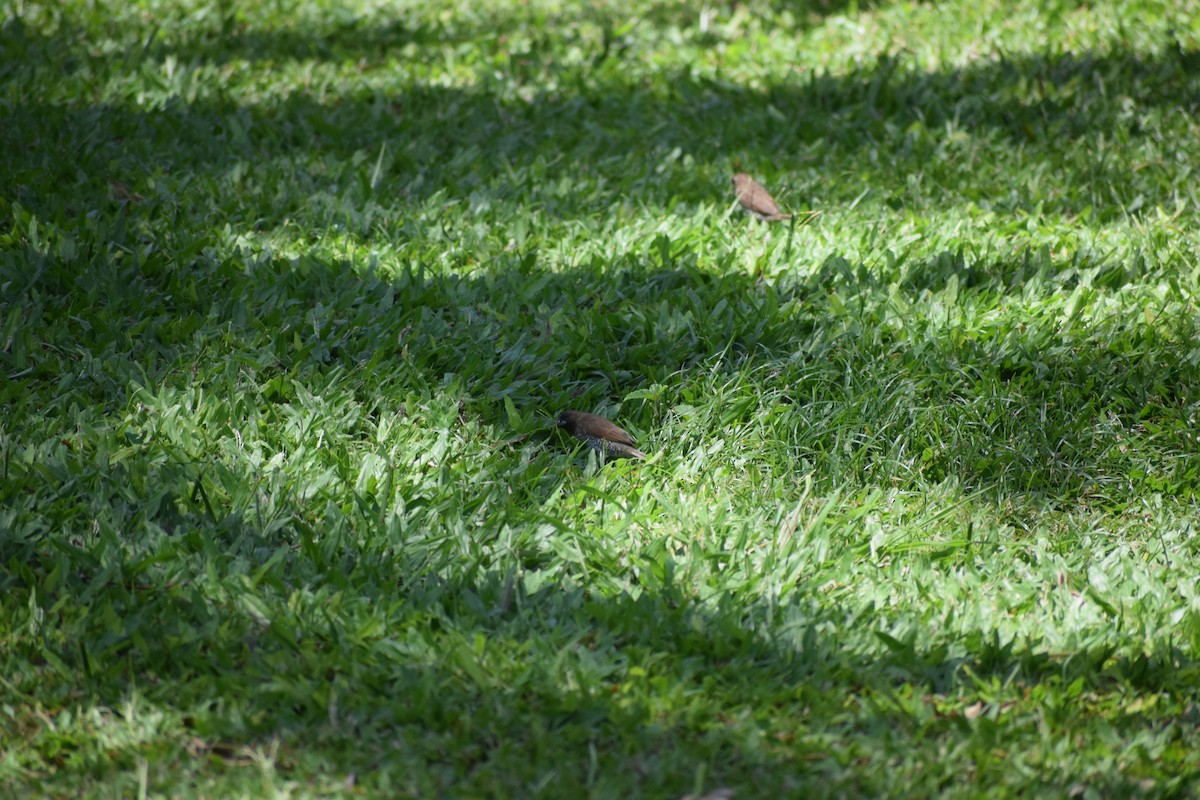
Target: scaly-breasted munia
x=757 y=200
x=599 y=434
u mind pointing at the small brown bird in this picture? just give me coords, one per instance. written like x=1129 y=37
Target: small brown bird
x=757 y=200
x=599 y=434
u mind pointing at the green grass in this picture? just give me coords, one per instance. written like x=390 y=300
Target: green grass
x=291 y=293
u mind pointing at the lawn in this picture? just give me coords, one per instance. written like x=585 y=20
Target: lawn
x=291 y=294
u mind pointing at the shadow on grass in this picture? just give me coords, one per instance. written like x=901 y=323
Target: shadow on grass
x=1040 y=409
x=1036 y=411
x=495 y=677
x=487 y=687
x=221 y=35
x=876 y=128
x=886 y=126
x=404 y=665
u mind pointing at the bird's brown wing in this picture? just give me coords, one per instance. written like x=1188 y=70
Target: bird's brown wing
x=607 y=430
x=760 y=200
x=581 y=423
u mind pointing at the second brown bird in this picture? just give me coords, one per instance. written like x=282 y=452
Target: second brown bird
x=599 y=434
x=757 y=200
